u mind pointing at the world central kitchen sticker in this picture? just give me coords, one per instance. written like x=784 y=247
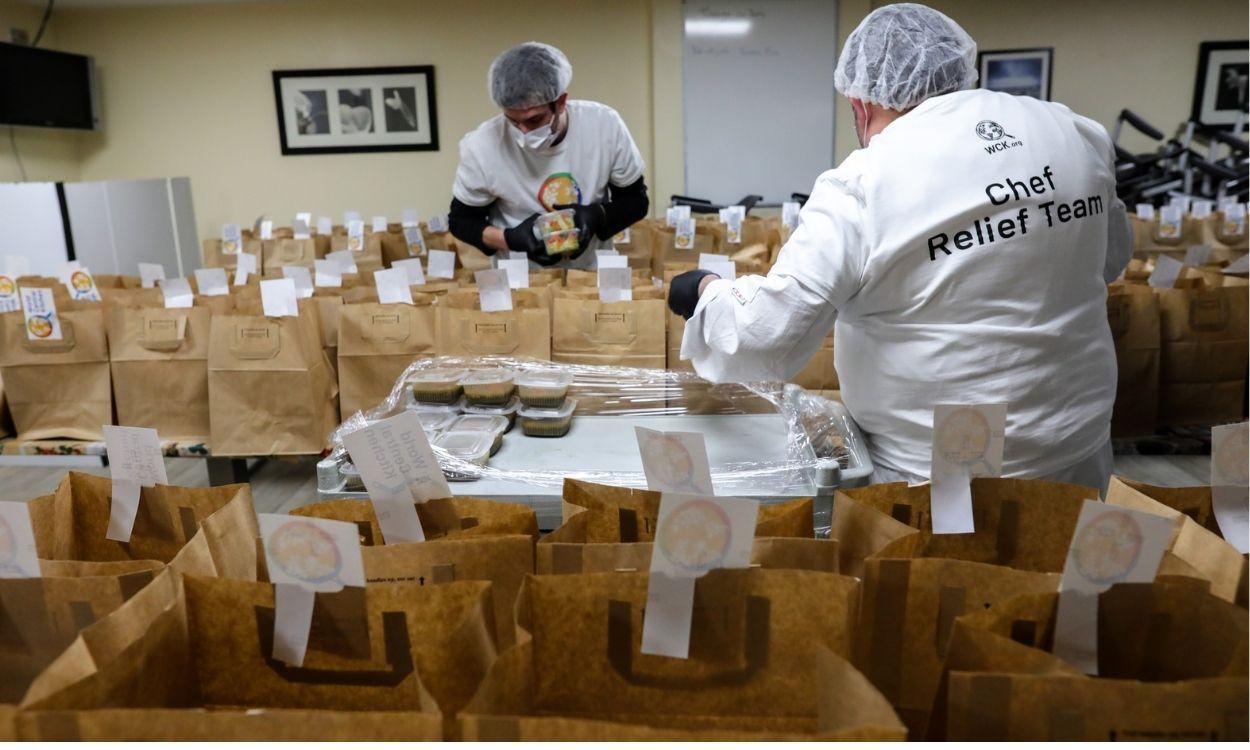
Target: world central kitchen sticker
x=39 y=309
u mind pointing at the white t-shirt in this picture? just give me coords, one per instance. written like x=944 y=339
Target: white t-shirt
x=932 y=304
x=596 y=150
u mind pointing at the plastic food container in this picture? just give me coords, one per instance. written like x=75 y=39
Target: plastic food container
x=351 y=475
x=473 y=447
x=436 y=386
x=483 y=423
x=434 y=422
x=543 y=389
x=563 y=220
x=548 y=422
x=508 y=412
x=452 y=410
x=562 y=242
x=488 y=387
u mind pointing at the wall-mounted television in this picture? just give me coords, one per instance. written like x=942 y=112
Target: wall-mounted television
x=45 y=88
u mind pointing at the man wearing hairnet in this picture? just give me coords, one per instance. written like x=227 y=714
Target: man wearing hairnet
x=545 y=152
x=964 y=251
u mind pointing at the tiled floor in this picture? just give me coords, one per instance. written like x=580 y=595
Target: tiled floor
x=281 y=484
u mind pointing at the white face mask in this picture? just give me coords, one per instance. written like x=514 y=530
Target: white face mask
x=536 y=139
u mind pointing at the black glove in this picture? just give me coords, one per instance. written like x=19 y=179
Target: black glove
x=521 y=239
x=683 y=292
x=590 y=221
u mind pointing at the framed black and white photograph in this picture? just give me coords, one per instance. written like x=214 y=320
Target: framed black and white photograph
x=356 y=110
x=1023 y=72
x=1220 y=89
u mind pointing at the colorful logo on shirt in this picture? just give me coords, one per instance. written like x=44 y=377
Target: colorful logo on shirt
x=559 y=189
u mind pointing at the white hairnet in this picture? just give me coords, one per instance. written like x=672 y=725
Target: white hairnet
x=528 y=75
x=902 y=54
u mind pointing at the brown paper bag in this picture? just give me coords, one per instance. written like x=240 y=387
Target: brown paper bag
x=907 y=612
x=1197 y=540
x=819 y=374
x=58 y=389
x=288 y=251
x=559 y=556
x=586 y=331
x=1225 y=245
x=466 y=540
x=159 y=362
x=664 y=251
x=765 y=647
x=367 y=260
x=581 y=279
x=271 y=386
x=255 y=724
x=463 y=330
x=215 y=258
x=1133 y=314
x=1202 y=376
x=376 y=343
x=1148 y=239
x=638 y=249
x=1172 y=661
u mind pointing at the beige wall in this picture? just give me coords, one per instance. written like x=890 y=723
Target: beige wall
x=187 y=89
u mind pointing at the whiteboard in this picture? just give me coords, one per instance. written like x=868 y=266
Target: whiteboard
x=30 y=225
x=119 y=224
x=758 y=96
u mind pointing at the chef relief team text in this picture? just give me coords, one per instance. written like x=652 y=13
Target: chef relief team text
x=986 y=232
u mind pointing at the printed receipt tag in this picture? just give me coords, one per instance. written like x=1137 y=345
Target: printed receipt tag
x=675 y=461
x=398 y=467
x=39 y=310
x=493 y=290
x=135 y=461
x=1111 y=544
x=693 y=534
x=1230 y=483
x=967 y=442
x=18 y=556
x=212 y=282
x=303 y=556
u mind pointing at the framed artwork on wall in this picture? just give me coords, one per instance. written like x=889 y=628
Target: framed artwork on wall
x=356 y=110
x=1024 y=72
x=1220 y=88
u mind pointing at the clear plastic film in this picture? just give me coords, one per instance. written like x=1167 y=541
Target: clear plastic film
x=785 y=441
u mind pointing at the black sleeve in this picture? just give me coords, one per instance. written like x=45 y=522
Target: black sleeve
x=468 y=222
x=625 y=206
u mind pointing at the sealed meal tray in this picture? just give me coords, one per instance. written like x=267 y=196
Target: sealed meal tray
x=507 y=412
x=471 y=447
x=563 y=220
x=562 y=242
x=543 y=389
x=483 y=423
x=436 y=386
x=452 y=410
x=492 y=387
x=351 y=477
x=548 y=422
x=434 y=422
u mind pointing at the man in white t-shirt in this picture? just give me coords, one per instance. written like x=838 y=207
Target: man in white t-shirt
x=964 y=251
x=544 y=153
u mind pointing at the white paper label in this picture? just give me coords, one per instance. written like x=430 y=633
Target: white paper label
x=1230 y=483
x=1167 y=270
x=304 y=216
x=615 y=285
x=1197 y=255
x=1170 y=222
x=300 y=229
x=212 y=282
x=356 y=236
x=246 y=265
x=266 y=229
x=135 y=461
x=39 y=309
x=325 y=226
x=1110 y=545
x=277 y=297
x=967 y=442
x=675 y=461
x=441 y=264
x=392 y=285
x=437 y=224
x=412 y=268
x=177 y=293
x=790 y=214
x=344 y=260
x=150 y=273
x=493 y=290
x=327 y=273
x=721 y=265
x=1146 y=211
x=350 y=216
x=621 y=237
x=1234 y=223
x=1180 y=203
x=1241 y=265
x=675 y=214
x=683 y=237
x=604 y=259
x=379 y=223
x=18 y=557
x=398 y=467
x=231 y=239
x=693 y=534
x=81 y=285
x=9 y=301
x=1200 y=209
x=415 y=240
x=732 y=220
x=409 y=218
x=302 y=278
x=518 y=272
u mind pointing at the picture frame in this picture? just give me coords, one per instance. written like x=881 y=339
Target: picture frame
x=1024 y=72
x=356 y=110
x=1220 y=86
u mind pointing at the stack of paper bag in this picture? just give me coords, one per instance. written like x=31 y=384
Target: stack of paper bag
x=1171 y=664
x=1203 y=367
x=1133 y=315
